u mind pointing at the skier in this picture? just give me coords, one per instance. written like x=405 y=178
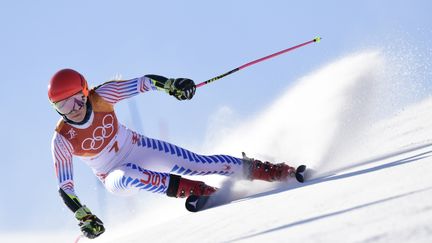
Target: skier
x=125 y=161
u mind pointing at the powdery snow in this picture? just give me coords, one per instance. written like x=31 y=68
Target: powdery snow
x=370 y=158
x=371 y=182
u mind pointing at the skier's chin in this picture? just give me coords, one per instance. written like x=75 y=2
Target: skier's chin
x=77 y=117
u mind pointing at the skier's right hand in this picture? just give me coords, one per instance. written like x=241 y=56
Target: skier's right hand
x=91 y=226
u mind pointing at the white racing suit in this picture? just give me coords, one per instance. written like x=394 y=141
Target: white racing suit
x=125 y=161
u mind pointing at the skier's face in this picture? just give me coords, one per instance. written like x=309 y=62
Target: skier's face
x=77 y=115
x=73 y=108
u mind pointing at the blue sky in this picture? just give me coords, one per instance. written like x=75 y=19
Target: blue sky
x=195 y=39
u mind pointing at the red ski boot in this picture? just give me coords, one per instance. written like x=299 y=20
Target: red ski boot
x=257 y=170
x=182 y=187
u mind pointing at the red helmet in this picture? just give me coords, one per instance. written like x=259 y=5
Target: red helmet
x=66 y=83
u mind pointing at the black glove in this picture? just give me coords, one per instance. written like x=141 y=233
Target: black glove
x=181 y=88
x=91 y=226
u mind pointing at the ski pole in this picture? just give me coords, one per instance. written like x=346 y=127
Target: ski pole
x=317 y=39
x=78 y=238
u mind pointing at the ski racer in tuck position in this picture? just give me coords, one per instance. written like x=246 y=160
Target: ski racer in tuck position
x=125 y=161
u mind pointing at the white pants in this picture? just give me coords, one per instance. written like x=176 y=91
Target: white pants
x=150 y=163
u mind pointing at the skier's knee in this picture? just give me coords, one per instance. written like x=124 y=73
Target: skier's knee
x=130 y=178
x=116 y=183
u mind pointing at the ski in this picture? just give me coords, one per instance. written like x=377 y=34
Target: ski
x=196 y=203
x=199 y=203
x=300 y=173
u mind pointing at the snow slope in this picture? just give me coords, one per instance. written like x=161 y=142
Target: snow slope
x=371 y=162
x=358 y=122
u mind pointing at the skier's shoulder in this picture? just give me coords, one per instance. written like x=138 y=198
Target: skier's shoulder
x=58 y=135
x=60 y=131
x=98 y=102
x=59 y=126
x=108 y=83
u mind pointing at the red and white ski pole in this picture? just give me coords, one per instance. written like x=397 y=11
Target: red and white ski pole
x=317 y=39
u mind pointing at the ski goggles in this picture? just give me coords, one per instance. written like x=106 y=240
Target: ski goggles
x=74 y=103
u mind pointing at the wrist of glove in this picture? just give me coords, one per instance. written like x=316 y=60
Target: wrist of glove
x=180 y=88
x=90 y=225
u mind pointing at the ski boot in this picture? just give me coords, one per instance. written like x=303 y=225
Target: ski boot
x=266 y=171
x=182 y=187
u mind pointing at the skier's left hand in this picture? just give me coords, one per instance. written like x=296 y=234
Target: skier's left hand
x=181 y=88
x=91 y=226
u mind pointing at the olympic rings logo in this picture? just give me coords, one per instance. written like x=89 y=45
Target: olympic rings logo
x=99 y=134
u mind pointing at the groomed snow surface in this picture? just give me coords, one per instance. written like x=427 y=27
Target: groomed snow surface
x=370 y=154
